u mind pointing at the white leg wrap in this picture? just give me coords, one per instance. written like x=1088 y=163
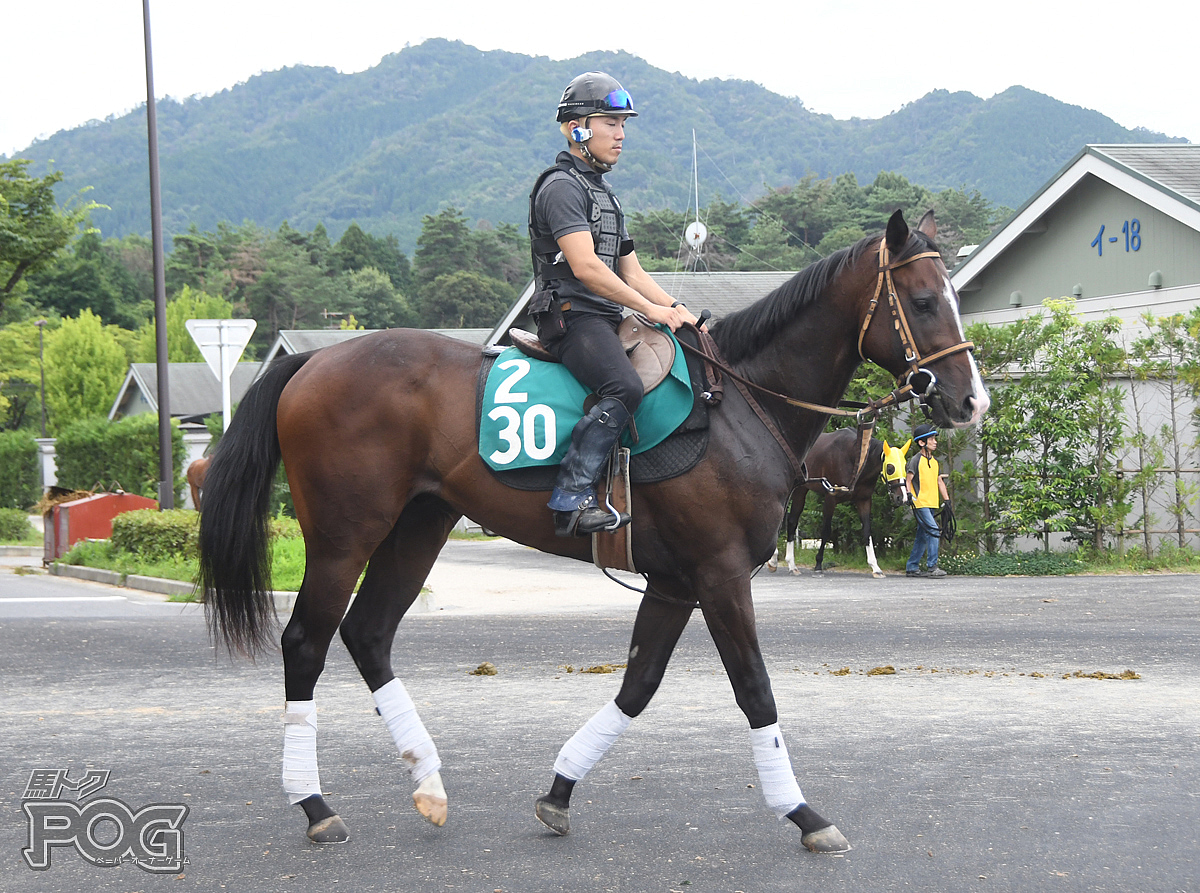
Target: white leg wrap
x=779 y=786
x=871 y=556
x=400 y=715
x=300 y=777
x=791 y=555
x=590 y=743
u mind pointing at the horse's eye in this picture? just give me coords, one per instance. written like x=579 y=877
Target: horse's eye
x=922 y=304
x=891 y=469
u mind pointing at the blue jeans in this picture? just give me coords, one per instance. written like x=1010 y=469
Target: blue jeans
x=927 y=539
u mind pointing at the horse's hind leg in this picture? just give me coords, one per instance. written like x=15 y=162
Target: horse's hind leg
x=328 y=581
x=655 y=633
x=392 y=583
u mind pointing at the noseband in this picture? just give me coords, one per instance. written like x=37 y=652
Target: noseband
x=919 y=381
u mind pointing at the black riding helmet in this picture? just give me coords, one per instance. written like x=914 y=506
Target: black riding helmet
x=594 y=93
x=923 y=431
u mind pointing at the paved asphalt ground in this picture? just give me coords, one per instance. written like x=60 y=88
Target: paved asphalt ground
x=975 y=767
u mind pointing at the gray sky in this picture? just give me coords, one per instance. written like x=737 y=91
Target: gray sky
x=65 y=62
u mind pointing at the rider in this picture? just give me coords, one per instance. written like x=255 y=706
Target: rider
x=925 y=485
x=586 y=270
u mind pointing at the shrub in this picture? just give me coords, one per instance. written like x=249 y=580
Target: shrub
x=98 y=452
x=1003 y=564
x=156 y=535
x=19 y=478
x=14 y=525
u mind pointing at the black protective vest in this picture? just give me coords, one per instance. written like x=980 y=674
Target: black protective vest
x=604 y=215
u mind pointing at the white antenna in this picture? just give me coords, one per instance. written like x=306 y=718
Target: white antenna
x=696 y=233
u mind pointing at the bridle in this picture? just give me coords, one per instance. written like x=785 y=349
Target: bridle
x=919 y=381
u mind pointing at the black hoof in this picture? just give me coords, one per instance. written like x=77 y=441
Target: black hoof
x=330 y=830
x=554 y=817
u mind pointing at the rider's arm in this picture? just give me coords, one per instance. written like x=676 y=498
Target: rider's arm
x=580 y=252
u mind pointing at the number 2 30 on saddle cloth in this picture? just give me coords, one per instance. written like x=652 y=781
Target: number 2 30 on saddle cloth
x=530 y=406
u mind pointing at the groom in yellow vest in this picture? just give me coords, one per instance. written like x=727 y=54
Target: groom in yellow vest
x=926 y=486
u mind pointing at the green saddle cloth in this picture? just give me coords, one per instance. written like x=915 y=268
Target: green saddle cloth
x=530 y=407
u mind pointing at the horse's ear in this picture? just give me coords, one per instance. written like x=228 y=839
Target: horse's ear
x=886 y=448
x=928 y=225
x=897 y=232
x=904 y=452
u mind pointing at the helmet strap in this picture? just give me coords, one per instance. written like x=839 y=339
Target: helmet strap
x=595 y=162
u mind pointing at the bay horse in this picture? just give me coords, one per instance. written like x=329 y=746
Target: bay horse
x=379 y=442
x=836 y=476
x=195 y=475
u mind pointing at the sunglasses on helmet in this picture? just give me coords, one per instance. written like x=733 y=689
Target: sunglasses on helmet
x=619 y=99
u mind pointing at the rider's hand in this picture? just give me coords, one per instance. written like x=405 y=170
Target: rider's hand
x=672 y=317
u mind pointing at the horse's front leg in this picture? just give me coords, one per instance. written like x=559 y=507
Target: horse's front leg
x=864 y=515
x=729 y=613
x=656 y=631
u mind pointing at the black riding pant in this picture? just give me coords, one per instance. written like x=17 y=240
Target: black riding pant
x=592 y=352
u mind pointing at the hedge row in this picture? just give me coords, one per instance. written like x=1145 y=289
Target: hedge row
x=19 y=478
x=156 y=535
x=99 y=454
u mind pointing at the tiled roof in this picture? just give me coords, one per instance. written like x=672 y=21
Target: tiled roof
x=1173 y=166
x=195 y=391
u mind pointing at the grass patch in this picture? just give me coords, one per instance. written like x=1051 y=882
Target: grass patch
x=287 y=567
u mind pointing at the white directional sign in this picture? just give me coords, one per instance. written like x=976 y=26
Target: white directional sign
x=221 y=342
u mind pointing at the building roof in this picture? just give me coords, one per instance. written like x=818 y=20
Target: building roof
x=720 y=293
x=291 y=341
x=1166 y=176
x=195 y=391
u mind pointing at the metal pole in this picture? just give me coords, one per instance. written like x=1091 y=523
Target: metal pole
x=166 y=464
x=41 y=324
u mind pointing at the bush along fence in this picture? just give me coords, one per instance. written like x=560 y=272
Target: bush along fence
x=97 y=453
x=1091 y=440
x=1091 y=434
x=19 y=475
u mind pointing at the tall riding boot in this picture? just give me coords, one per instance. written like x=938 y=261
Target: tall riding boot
x=576 y=512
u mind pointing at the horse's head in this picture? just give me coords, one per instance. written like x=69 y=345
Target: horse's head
x=893 y=472
x=912 y=327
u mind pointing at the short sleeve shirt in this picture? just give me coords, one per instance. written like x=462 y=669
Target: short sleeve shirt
x=925 y=482
x=560 y=207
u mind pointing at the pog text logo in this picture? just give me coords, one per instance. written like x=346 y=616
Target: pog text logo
x=104 y=830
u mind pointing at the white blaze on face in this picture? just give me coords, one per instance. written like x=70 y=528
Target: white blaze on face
x=981 y=400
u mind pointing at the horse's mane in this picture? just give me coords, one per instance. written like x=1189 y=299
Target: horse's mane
x=746 y=332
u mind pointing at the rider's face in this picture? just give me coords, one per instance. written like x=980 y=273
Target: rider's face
x=608 y=133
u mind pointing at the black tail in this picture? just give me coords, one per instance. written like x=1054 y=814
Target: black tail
x=235 y=557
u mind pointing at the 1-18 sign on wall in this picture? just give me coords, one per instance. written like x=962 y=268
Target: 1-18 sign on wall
x=1132 y=230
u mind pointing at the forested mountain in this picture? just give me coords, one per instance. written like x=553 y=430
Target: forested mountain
x=444 y=124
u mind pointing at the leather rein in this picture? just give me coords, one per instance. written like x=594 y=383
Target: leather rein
x=864 y=415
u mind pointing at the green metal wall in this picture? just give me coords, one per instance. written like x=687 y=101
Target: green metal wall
x=1049 y=264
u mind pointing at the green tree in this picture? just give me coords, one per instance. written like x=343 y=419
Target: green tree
x=20 y=375
x=181 y=347
x=85 y=366
x=92 y=277
x=464 y=300
x=375 y=302
x=357 y=250
x=769 y=248
x=33 y=228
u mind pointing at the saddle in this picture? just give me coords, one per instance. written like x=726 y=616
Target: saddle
x=651 y=351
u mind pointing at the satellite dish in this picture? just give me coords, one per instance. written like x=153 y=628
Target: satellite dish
x=695 y=235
